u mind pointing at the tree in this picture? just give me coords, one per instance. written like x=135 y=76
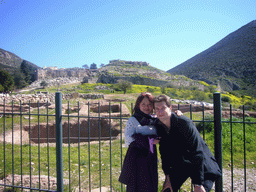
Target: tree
x=93 y=66
x=24 y=68
x=1 y=88
x=6 y=81
x=102 y=65
x=19 y=79
x=85 y=66
x=29 y=71
x=43 y=84
x=124 y=85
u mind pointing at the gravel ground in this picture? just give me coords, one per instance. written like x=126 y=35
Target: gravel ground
x=238 y=183
x=238 y=180
x=238 y=177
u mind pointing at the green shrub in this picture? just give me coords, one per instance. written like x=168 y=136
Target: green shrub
x=226 y=99
x=206 y=126
x=199 y=95
x=150 y=89
x=163 y=89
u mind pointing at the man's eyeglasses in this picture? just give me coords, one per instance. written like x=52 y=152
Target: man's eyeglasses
x=161 y=110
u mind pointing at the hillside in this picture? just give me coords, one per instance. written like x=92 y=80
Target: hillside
x=231 y=62
x=143 y=75
x=127 y=68
x=10 y=62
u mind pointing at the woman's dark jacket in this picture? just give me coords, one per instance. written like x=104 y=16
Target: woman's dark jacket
x=182 y=148
x=139 y=171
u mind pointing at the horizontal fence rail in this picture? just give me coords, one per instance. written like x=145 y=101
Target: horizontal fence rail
x=80 y=146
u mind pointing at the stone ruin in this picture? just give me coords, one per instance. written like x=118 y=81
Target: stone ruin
x=122 y=62
x=54 y=72
x=43 y=98
x=99 y=129
x=98 y=121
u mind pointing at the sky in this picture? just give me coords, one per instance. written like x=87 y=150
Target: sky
x=164 y=33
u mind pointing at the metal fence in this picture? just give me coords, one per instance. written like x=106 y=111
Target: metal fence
x=52 y=149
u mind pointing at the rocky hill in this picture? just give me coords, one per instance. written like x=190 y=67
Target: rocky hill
x=10 y=62
x=231 y=62
x=143 y=74
x=140 y=73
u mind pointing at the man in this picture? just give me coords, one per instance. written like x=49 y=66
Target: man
x=183 y=151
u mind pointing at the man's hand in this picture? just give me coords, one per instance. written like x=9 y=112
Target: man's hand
x=178 y=112
x=156 y=141
x=199 y=188
x=167 y=184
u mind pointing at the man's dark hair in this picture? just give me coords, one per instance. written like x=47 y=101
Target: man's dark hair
x=164 y=98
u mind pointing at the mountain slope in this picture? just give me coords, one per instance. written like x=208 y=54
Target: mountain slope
x=231 y=62
x=10 y=62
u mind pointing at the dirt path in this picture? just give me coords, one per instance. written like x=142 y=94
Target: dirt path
x=15 y=137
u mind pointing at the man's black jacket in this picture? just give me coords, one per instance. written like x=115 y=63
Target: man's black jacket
x=182 y=148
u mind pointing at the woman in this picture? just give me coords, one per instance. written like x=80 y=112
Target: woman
x=139 y=170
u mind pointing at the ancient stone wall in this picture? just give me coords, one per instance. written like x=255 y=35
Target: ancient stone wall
x=93 y=128
x=121 y=62
x=74 y=131
x=51 y=73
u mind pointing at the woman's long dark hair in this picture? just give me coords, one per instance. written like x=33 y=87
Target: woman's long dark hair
x=140 y=98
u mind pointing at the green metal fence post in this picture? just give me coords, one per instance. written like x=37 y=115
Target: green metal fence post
x=59 y=159
x=218 y=138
